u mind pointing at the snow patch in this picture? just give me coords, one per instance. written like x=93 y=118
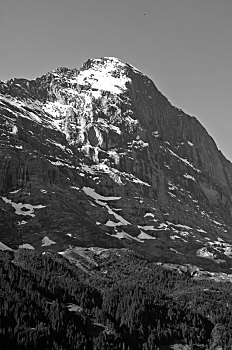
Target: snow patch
x=92 y=193
x=57 y=144
x=173 y=237
x=144 y=235
x=171 y=194
x=14 y=130
x=139 y=144
x=35 y=117
x=61 y=163
x=105 y=74
x=185 y=227
x=74 y=308
x=147 y=228
x=116 y=175
x=46 y=241
x=124 y=235
x=187 y=176
x=99 y=200
x=23 y=222
x=204 y=253
x=175 y=251
x=155 y=134
x=111 y=223
x=217 y=223
x=75 y=188
x=201 y=230
x=183 y=160
x=26 y=246
x=4 y=247
x=171 y=186
x=149 y=214
x=15 y=191
x=23 y=209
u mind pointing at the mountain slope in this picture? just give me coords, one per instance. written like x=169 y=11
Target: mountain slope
x=99 y=157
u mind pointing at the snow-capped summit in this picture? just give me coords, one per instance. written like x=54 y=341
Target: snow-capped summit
x=108 y=74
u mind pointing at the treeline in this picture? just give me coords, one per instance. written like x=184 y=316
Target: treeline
x=124 y=303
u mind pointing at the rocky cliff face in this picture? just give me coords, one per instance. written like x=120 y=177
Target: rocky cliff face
x=98 y=156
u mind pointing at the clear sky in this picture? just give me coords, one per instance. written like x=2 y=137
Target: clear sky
x=184 y=46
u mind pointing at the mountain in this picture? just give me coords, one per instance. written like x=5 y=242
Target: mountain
x=99 y=157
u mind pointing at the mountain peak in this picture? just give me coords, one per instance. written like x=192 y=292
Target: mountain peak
x=107 y=73
x=105 y=61
x=112 y=62
x=106 y=159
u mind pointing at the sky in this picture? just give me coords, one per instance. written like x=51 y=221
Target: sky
x=184 y=46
